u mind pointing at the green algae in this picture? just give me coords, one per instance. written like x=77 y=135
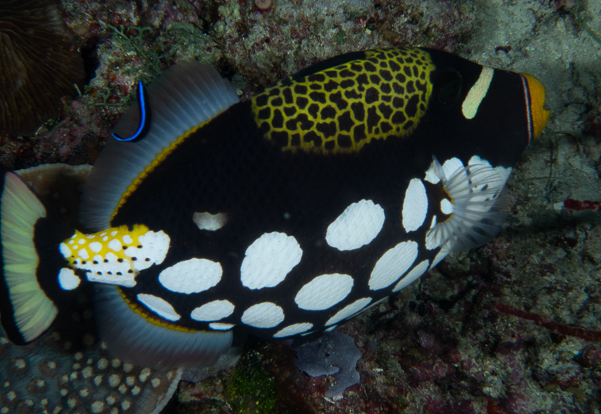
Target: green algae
x=137 y=43
x=251 y=389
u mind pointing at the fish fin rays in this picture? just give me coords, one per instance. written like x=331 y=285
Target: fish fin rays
x=25 y=309
x=135 y=339
x=187 y=95
x=479 y=208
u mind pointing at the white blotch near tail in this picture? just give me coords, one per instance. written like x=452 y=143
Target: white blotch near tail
x=357 y=226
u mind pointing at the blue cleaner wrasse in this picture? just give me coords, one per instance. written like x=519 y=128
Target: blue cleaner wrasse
x=284 y=215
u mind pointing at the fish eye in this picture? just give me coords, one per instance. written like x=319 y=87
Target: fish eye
x=448 y=87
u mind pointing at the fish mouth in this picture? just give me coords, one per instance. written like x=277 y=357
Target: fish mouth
x=538 y=108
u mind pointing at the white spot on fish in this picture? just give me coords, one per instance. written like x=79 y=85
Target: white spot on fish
x=159 y=306
x=324 y=291
x=476 y=94
x=450 y=166
x=68 y=279
x=65 y=250
x=295 y=329
x=412 y=276
x=263 y=315
x=221 y=326
x=127 y=239
x=349 y=310
x=109 y=270
x=191 y=276
x=269 y=259
x=115 y=245
x=95 y=247
x=441 y=255
x=83 y=253
x=446 y=206
x=392 y=265
x=154 y=248
x=213 y=311
x=208 y=221
x=415 y=205
x=357 y=226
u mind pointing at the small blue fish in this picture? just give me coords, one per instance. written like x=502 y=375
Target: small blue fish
x=284 y=215
x=144 y=122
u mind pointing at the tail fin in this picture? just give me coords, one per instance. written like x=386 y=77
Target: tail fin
x=30 y=261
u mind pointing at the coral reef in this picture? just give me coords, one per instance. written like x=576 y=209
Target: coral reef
x=37 y=65
x=505 y=328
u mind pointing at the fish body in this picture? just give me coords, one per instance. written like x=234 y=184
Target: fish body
x=283 y=215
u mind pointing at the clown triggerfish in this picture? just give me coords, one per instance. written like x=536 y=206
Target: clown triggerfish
x=283 y=215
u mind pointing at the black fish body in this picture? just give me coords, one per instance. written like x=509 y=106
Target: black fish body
x=288 y=213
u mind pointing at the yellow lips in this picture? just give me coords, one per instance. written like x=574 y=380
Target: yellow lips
x=538 y=107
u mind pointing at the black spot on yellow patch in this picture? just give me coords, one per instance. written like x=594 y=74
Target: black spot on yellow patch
x=345 y=122
x=288 y=96
x=265 y=113
x=358 y=111
x=371 y=95
x=302 y=102
x=337 y=99
x=328 y=112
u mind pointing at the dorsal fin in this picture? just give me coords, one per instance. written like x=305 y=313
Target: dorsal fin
x=184 y=97
x=328 y=63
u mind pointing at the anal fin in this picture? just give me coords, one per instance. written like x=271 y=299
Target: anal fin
x=135 y=339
